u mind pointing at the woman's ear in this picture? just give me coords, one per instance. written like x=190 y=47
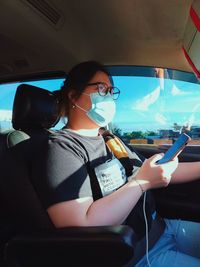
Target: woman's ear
x=71 y=96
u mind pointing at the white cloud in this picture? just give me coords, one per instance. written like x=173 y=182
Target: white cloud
x=144 y=103
x=191 y=120
x=161 y=119
x=5 y=115
x=176 y=91
x=196 y=108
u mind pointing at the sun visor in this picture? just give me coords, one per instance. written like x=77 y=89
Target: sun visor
x=191 y=41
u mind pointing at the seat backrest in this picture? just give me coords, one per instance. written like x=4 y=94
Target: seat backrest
x=35 y=110
x=22 y=209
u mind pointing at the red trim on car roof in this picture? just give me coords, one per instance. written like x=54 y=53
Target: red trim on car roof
x=196 y=71
x=195 y=18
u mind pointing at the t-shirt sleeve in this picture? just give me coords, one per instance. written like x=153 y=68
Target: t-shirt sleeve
x=60 y=174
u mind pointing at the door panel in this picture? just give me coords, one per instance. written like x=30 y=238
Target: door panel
x=182 y=200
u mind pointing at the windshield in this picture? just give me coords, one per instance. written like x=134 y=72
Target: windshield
x=155 y=105
x=158 y=107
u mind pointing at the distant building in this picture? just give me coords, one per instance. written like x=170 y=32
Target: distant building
x=195 y=132
x=168 y=134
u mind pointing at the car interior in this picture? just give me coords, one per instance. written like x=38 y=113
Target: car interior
x=42 y=40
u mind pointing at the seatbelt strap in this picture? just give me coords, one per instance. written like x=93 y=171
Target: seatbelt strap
x=119 y=150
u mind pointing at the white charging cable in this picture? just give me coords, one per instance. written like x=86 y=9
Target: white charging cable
x=147 y=230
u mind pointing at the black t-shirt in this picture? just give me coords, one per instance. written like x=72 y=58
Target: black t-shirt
x=71 y=166
x=61 y=170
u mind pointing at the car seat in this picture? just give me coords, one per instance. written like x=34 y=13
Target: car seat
x=27 y=236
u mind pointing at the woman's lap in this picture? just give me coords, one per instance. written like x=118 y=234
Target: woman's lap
x=178 y=246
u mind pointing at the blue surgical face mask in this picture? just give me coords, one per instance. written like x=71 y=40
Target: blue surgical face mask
x=102 y=110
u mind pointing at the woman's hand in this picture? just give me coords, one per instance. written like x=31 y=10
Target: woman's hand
x=152 y=175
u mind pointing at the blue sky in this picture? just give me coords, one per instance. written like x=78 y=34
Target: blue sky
x=144 y=104
x=151 y=104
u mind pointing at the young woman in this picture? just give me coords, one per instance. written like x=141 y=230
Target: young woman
x=81 y=183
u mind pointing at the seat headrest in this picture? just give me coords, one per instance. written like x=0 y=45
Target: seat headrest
x=34 y=108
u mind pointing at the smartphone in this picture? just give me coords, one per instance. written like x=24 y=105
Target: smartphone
x=175 y=149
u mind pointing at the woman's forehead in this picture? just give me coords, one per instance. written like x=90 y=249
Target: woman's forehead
x=101 y=77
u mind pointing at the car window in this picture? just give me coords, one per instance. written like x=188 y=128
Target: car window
x=156 y=105
x=7 y=94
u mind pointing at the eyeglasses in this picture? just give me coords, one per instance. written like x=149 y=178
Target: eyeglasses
x=104 y=89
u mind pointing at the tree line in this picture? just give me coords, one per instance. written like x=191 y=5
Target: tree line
x=134 y=134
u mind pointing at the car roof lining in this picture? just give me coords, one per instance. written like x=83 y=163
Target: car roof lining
x=114 y=32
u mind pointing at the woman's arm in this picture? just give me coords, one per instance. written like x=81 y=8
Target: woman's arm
x=186 y=172
x=114 y=208
x=109 y=210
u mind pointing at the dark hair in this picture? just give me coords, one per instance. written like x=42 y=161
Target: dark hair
x=77 y=79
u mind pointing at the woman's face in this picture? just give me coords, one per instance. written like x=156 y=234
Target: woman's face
x=84 y=100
